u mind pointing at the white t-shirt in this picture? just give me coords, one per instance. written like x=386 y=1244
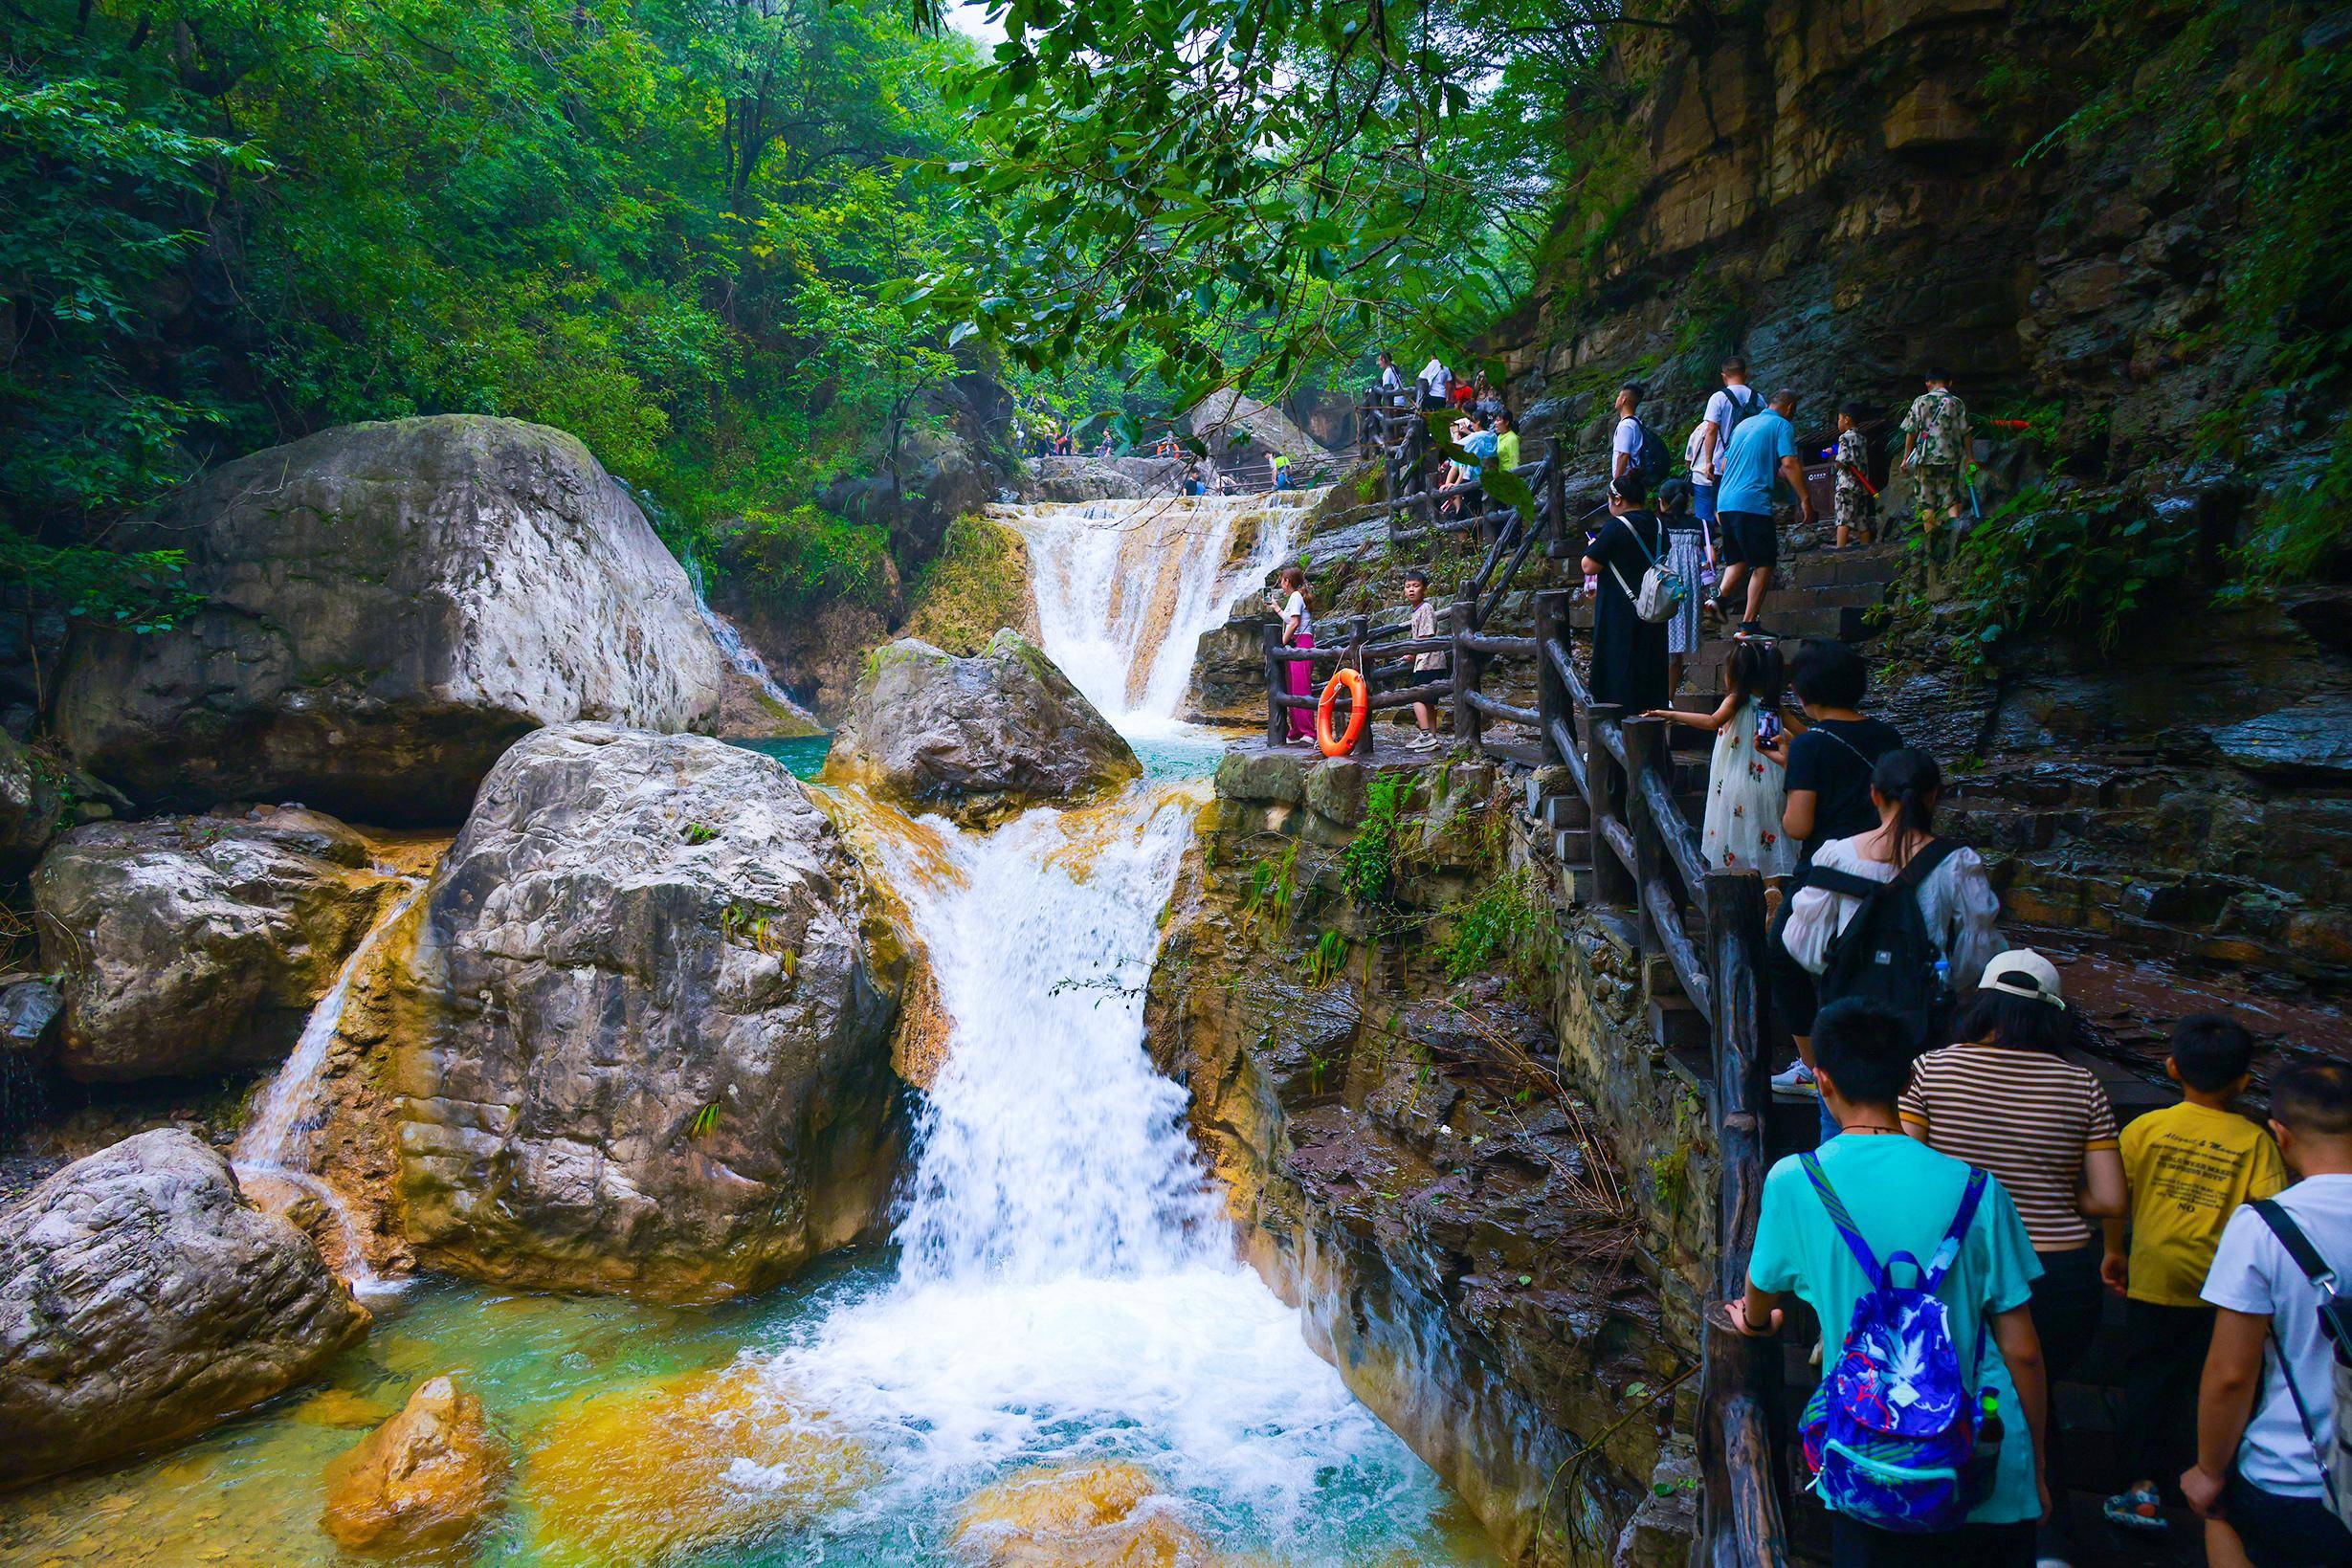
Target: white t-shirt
x=1719 y=409
x=2251 y=1272
x=1294 y=609
x=1693 y=456
x=1627 y=440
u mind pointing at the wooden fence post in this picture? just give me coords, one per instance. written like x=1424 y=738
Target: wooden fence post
x=1463 y=669
x=1551 y=692
x=1739 y=1379
x=1277 y=717
x=1645 y=740
x=1612 y=880
x=1360 y=628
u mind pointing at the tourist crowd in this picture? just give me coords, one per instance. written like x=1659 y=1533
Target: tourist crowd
x=1971 y=1202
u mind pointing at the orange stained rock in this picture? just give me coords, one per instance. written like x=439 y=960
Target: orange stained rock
x=1105 y=1515
x=650 y=1475
x=428 y=1477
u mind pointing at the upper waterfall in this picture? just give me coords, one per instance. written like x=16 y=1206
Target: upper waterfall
x=1125 y=588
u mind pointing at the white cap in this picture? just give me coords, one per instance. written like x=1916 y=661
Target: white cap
x=2022 y=972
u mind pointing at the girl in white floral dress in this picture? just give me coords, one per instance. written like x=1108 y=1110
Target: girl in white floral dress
x=1744 y=790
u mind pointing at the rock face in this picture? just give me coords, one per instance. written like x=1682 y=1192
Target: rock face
x=191 y=945
x=141 y=1298
x=641 y=1049
x=386 y=608
x=430 y=1476
x=1399 y=1156
x=980 y=737
x=1228 y=418
x=31 y=806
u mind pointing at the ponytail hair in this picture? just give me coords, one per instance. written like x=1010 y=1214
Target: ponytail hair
x=1755 y=672
x=1295 y=578
x=1910 y=778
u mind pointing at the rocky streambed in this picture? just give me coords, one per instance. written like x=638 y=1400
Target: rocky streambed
x=515 y=1181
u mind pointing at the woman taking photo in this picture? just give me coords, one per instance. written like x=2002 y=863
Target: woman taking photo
x=1629 y=653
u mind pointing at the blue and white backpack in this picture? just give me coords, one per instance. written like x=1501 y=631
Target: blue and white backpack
x=1891 y=1434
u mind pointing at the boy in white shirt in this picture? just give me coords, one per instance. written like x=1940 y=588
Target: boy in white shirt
x=2257 y=1480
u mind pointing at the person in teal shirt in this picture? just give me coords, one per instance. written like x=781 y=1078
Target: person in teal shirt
x=1763 y=449
x=1902 y=1196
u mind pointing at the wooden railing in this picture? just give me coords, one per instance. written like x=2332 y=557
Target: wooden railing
x=1707 y=926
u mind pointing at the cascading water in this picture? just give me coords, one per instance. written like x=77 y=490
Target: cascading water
x=740 y=654
x=1126 y=589
x=1068 y=1288
x=276 y=1142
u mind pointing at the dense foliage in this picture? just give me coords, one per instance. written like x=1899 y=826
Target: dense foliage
x=664 y=225
x=1248 y=193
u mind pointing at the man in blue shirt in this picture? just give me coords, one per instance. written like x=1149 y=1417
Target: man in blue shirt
x=1762 y=448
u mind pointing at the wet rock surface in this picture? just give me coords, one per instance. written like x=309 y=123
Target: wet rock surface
x=143 y=1298
x=428 y=1478
x=640 y=1044
x=386 y=608
x=978 y=738
x=191 y=945
x=1406 y=1153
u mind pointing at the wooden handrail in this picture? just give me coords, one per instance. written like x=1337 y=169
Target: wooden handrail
x=1647 y=858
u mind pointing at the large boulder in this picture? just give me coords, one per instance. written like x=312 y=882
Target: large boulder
x=142 y=1298
x=193 y=944
x=1229 y=420
x=977 y=738
x=639 y=1047
x=384 y=607
x=428 y=1477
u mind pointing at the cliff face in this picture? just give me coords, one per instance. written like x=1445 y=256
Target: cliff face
x=1846 y=192
x=1470 y=1185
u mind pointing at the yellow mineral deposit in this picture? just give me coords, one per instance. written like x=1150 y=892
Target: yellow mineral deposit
x=431 y=1477
x=698 y=1463
x=1108 y=1516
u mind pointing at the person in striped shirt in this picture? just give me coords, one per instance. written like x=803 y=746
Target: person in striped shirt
x=2006 y=1099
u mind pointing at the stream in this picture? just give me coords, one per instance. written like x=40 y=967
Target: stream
x=1062 y=1305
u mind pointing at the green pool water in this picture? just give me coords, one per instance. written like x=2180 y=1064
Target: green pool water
x=803 y=754
x=248 y=1493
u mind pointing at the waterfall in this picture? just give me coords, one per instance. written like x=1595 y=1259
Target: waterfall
x=741 y=655
x=1069 y=1288
x=276 y=1142
x=1126 y=589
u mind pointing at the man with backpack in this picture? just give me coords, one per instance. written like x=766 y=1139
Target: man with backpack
x=1634 y=448
x=1724 y=412
x=1763 y=449
x=2270 y=1477
x=1925 y=1436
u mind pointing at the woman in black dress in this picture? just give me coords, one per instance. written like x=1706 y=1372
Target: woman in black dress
x=1629 y=653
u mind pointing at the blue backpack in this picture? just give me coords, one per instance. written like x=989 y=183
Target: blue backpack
x=1891 y=1434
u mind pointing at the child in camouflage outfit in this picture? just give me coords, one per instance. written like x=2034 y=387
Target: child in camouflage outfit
x=1936 y=444
x=1855 y=502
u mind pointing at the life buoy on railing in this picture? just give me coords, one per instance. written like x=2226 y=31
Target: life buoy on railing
x=1360 y=708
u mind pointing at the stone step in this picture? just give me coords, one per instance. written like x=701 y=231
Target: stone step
x=1564 y=811
x=1576 y=880
x=1572 y=846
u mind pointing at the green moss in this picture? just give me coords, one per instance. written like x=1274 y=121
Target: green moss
x=978 y=584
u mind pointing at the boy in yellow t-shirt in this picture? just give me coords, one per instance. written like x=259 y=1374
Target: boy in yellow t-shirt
x=2189 y=1167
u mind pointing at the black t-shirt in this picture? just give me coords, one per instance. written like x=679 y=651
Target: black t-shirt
x=1835 y=760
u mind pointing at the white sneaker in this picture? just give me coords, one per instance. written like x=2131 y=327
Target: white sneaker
x=1796 y=1083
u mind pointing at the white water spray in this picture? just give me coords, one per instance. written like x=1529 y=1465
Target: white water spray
x=1126 y=589
x=276 y=1140
x=1069 y=1288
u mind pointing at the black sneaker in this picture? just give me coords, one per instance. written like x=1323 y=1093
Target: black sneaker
x=1754 y=632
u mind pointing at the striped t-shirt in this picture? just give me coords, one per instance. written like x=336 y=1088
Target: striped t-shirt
x=2025 y=1116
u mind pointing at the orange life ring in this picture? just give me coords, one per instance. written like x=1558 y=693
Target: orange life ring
x=1360 y=707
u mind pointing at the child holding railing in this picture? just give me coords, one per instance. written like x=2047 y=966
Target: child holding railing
x=1746 y=790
